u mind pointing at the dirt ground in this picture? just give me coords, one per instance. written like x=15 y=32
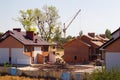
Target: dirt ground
x=75 y=68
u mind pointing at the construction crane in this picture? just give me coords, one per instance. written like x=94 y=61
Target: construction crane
x=66 y=27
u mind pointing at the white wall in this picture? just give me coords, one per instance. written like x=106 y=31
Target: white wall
x=4 y=55
x=116 y=35
x=18 y=56
x=112 y=60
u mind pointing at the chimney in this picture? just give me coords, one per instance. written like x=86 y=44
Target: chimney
x=17 y=29
x=1 y=35
x=30 y=35
x=102 y=35
x=91 y=34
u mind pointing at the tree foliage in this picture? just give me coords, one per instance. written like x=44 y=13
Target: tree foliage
x=26 y=19
x=63 y=41
x=108 y=34
x=81 y=33
x=45 y=20
x=57 y=34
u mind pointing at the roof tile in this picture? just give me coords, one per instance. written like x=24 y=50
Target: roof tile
x=21 y=37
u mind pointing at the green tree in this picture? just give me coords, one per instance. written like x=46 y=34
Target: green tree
x=57 y=35
x=39 y=19
x=81 y=33
x=108 y=34
x=69 y=38
x=26 y=19
x=51 y=17
x=46 y=20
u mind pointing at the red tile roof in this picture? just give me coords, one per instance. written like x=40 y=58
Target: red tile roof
x=21 y=37
x=91 y=38
x=97 y=40
x=101 y=38
x=98 y=43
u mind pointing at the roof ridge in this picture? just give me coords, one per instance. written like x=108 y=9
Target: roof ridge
x=84 y=42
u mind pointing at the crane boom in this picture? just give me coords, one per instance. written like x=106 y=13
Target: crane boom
x=65 y=28
x=73 y=19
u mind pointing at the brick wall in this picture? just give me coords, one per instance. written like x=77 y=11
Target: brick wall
x=76 y=52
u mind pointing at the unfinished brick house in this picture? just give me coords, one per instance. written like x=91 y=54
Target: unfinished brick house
x=76 y=51
x=83 y=49
x=18 y=47
x=95 y=41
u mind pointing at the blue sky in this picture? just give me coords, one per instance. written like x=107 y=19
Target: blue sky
x=95 y=16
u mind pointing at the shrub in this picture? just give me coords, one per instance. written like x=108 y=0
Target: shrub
x=7 y=65
x=113 y=74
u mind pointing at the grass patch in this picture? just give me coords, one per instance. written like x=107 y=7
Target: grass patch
x=8 y=77
x=113 y=74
